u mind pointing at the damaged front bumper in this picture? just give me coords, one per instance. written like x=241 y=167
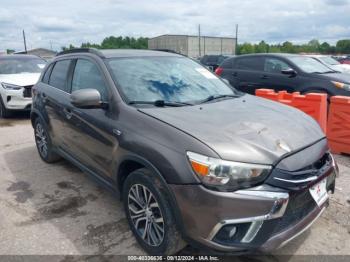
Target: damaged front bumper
x=256 y=219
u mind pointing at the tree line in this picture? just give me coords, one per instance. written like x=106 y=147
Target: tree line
x=113 y=42
x=313 y=46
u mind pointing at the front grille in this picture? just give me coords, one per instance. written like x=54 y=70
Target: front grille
x=302 y=178
x=299 y=206
x=27 y=92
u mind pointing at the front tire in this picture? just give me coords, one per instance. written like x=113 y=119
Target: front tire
x=149 y=214
x=4 y=112
x=43 y=142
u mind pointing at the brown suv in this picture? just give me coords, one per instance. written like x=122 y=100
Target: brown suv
x=194 y=160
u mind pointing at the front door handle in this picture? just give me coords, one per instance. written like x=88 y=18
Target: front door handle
x=44 y=97
x=68 y=113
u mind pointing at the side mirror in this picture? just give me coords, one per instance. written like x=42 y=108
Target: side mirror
x=86 y=98
x=289 y=72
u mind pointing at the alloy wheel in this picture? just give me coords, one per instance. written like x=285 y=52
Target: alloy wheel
x=146 y=215
x=41 y=140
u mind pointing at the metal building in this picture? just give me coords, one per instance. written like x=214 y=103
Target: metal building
x=41 y=52
x=191 y=46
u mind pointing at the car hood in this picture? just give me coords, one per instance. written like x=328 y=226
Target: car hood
x=343 y=68
x=246 y=129
x=24 y=79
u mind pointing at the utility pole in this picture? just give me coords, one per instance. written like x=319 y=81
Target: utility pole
x=236 y=46
x=199 y=39
x=51 y=45
x=24 y=41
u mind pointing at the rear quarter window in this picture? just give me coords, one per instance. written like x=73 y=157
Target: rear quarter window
x=249 y=63
x=227 y=64
x=47 y=74
x=59 y=74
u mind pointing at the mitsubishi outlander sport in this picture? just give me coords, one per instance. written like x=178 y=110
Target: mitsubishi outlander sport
x=195 y=161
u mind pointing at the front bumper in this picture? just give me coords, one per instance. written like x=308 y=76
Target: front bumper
x=15 y=100
x=260 y=219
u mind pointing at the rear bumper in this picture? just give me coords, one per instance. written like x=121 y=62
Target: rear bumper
x=259 y=216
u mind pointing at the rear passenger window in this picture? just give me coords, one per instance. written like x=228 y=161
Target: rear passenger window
x=228 y=63
x=250 y=63
x=86 y=75
x=59 y=75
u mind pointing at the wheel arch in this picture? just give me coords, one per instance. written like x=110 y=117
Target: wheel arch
x=307 y=90
x=130 y=163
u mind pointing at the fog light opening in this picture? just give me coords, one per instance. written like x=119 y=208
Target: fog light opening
x=232 y=232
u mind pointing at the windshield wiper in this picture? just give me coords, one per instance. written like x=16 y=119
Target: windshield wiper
x=160 y=103
x=212 y=98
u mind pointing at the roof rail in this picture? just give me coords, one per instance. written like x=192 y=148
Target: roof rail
x=82 y=50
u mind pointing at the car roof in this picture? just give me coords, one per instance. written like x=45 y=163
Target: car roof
x=116 y=53
x=269 y=54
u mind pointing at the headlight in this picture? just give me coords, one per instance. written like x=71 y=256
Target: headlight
x=10 y=86
x=341 y=85
x=227 y=175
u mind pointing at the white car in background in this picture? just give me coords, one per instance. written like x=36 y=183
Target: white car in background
x=18 y=74
x=332 y=63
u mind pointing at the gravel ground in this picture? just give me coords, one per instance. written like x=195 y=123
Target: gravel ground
x=57 y=210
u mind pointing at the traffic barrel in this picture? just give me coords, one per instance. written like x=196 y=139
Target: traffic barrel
x=338 y=130
x=313 y=104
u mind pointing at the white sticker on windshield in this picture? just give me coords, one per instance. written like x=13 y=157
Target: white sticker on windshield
x=41 y=66
x=205 y=73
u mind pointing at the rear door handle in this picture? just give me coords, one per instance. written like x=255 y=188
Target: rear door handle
x=234 y=74
x=68 y=113
x=264 y=77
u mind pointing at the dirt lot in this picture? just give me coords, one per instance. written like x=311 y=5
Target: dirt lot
x=57 y=210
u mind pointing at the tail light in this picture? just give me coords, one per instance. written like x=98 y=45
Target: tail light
x=219 y=70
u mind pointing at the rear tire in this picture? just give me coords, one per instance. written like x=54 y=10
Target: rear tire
x=149 y=214
x=43 y=142
x=4 y=112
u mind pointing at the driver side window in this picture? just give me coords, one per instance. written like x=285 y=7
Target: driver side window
x=86 y=75
x=273 y=65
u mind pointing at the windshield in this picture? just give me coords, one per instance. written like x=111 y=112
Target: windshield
x=174 y=79
x=21 y=65
x=329 y=60
x=309 y=65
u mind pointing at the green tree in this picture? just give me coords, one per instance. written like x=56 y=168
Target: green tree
x=325 y=48
x=246 y=48
x=288 y=47
x=313 y=46
x=90 y=45
x=262 y=47
x=343 y=46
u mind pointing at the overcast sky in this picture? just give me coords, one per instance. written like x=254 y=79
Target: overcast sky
x=64 y=22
